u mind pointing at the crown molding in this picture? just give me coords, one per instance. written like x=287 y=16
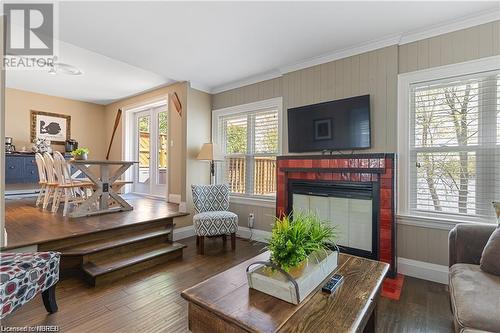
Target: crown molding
x=450 y=26
x=201 y=87
x=395 y=39
x=247 y=81
x=343 y=53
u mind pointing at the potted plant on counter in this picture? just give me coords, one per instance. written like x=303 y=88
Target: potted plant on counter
x=80 y=153
x=301 y=249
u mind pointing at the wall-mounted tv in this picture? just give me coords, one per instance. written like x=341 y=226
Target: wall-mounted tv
x=336 y=125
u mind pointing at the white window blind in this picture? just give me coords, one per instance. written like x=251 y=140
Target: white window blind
x=249 y=142
x=455 y=146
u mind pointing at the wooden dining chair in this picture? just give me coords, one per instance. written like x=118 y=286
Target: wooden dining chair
x=42 y=178
x=52 y=183
x=72 y=191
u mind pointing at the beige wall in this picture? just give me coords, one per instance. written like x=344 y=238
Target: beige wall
x=184 y=169
x=198 y=118
x=375 y=73
x=87 y=119
x=177 y=130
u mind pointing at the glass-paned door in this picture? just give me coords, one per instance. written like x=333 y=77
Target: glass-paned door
x=151 y=173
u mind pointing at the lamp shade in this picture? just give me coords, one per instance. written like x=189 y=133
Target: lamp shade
x=210 y=152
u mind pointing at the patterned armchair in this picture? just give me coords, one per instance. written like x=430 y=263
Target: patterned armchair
x=23 y=275
x=212 y=218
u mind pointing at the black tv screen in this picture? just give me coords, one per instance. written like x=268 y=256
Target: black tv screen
x=335 y=125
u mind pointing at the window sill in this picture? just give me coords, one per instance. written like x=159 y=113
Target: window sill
x=433 y=222
x=253 y=201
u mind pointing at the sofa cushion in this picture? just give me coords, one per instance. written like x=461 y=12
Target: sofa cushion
x=475 y=298
x=490 y=259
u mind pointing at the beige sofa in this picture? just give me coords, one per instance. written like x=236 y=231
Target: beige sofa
x=475 y=295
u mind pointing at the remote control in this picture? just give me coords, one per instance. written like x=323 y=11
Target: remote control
x=333 y=283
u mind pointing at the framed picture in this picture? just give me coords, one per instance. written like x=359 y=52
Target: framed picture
x=51 y=126
x=323 y=129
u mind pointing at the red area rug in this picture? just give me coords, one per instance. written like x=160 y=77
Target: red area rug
x=391 y=288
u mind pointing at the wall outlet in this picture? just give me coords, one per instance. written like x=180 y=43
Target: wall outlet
x=251 y=220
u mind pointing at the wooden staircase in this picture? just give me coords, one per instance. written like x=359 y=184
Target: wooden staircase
x=105 y=256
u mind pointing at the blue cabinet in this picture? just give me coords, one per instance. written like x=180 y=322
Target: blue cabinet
x=20 y=169
x=14 y=168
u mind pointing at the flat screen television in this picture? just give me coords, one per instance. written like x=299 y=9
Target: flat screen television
x=336 y=125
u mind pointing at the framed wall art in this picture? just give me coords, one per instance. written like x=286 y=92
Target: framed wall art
x=51 y=126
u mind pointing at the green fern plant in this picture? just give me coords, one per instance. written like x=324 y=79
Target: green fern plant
x=80 y=151
x=293 y=240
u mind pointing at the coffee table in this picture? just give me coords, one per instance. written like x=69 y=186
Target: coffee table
x=224 y=303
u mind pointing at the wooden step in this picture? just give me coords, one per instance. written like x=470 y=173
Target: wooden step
x=106 y=244
x=103 y=234
x=109 y=269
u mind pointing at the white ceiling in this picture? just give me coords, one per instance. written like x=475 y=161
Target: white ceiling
x=104 y=79
x=217 y=45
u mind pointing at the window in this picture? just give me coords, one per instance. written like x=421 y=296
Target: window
x=453 y=141
x=249 y=139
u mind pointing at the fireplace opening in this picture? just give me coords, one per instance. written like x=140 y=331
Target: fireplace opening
x=352 y=207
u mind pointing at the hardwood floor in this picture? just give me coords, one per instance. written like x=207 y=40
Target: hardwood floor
x=28 y=225
x=424 y=306
x=151 y=302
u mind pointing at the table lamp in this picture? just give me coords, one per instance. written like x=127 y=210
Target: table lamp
x=210 y=152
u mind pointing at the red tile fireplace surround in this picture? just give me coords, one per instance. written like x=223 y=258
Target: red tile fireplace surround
x=375 y=168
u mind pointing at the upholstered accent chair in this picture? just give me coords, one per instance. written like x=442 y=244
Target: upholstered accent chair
x=24 y=275
x=212 y=219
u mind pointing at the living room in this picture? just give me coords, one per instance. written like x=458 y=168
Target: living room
x=379 y=132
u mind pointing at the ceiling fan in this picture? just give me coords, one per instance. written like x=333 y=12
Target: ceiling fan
x=60 y=67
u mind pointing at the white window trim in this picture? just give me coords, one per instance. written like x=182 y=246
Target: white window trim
x=277 y=103
x=403 y=145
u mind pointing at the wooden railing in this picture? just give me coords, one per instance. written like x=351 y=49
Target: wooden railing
x=235 y=174
x=264 y=175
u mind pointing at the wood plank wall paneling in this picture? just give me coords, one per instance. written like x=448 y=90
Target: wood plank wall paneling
x=264 y=216
x=247 y=94
x=422 y=244
x=375 y=73
x=458 y=46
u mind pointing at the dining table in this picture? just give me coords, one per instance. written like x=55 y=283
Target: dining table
x=105 y=187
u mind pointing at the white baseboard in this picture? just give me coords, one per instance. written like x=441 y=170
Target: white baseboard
x=257 y=235
x=243 y=232
x=184 y=232
x=174 y=198
x=423 y=270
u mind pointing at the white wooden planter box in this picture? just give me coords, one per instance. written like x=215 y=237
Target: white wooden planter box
x=277 y=284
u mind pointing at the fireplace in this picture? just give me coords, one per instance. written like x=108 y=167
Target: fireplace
x=354 y=192
x=350 y=206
